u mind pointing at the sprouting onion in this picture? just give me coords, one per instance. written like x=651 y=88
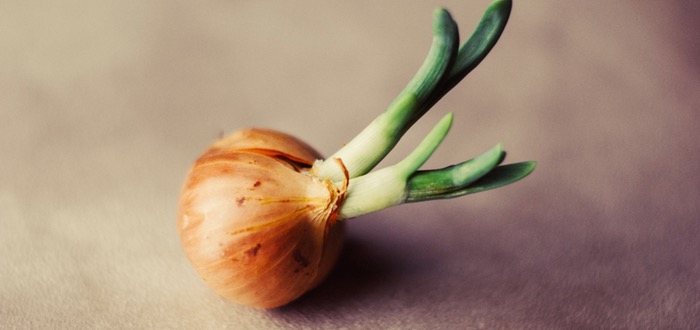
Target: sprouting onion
x=261 y=214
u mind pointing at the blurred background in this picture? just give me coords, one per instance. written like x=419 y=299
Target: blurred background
x=105 y=105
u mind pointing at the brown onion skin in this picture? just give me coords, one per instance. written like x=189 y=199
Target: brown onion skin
x=256 y=228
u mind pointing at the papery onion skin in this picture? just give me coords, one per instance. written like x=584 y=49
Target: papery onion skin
x=257 y=228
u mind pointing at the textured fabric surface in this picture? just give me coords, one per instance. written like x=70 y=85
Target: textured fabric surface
x=104 y=106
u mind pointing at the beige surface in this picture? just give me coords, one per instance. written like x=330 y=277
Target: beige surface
x=104 y=105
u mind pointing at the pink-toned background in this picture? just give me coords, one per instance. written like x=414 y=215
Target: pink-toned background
x=104 y=105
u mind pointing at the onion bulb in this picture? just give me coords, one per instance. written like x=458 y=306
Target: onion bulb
x=261 y=213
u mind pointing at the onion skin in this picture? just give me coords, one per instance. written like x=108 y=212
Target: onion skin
x=256 y=227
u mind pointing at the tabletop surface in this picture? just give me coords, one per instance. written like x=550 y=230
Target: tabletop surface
x=105 y=106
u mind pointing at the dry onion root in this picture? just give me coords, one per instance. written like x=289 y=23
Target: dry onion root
x=261 y=215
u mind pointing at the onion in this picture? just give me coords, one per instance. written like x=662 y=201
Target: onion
x=261 y=214
x=258 y=230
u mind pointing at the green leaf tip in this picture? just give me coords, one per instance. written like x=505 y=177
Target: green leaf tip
x=498 y=177
x=425 y=185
